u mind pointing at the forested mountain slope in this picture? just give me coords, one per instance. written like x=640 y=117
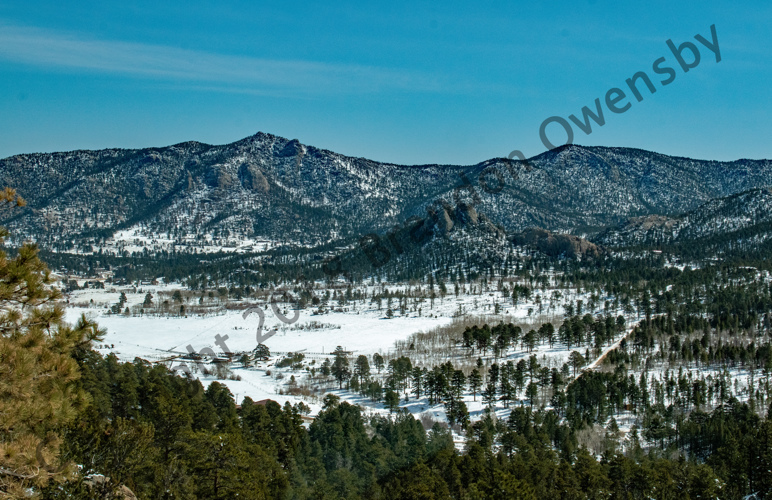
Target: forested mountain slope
x=743 y=218
x=271 y=188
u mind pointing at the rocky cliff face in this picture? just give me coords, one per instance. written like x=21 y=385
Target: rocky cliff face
x=556 y=244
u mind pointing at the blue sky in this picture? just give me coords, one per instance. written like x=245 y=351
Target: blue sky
x=403 y=82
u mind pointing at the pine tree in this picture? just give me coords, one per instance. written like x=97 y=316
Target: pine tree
x=577 y=360
x=418 y=378
x=340 y=367
x=362 y=368
x=475 y=381
x=489 y=395
x=262 y=352
x=531 y=392
x=457 y=382
x=391 y=400
x=378 y=362
x=38 y=376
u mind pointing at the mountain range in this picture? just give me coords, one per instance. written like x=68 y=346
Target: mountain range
x=271 y=189
x=740 y=219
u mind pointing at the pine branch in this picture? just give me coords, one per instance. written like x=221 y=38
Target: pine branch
x=9 y=472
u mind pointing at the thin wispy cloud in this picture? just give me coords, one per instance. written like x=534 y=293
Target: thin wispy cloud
x=49 y=49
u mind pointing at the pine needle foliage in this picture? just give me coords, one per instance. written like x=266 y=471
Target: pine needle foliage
x=38 y=375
